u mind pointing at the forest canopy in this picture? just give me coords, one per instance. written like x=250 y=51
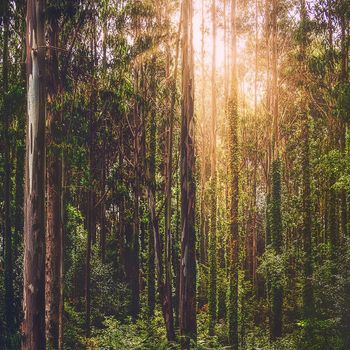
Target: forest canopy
x=174 y=174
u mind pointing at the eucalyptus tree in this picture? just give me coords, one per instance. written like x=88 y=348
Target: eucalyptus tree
x=187 y=296
x=232 y=114
x=34 y=213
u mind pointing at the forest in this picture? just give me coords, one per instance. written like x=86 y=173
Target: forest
x=174 y=174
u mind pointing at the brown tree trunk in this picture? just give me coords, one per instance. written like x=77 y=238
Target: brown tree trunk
x=187 y=297
x=63 y=216
x=343 y=122
x=33 y=327
x=91 y=210
x=54 y=194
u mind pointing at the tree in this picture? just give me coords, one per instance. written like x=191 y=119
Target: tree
x=54 y=239
x=9 y=295
x=276 y=233
x=232 y=111
x=276 y=216
x=213 y=258
x=34 y=213
x=308 y=301
x=164 y=288
x=187 y=297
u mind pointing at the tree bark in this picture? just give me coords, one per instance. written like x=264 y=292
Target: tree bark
x=308 y=298
x=33 y=327
x=187 y=296
x=234 y=165
x=53 y=193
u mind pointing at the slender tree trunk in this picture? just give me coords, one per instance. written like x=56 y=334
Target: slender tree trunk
x=307 y=220
x=165 y=290
x=213 y=199
x=234 y=165
x=151 y=271
x=62 y=226
x=175 y=251
x=88 y=266
x=53 y=193
x=135 y=243
x=33 y=327
x=222 y=287
x=168 y=206
x=308 y=298
x=103 y=229
x=203 y=249
x=343 y=122
x=9 y=295
x=276 y=235
x=91 y=210
x=166 y=302
x=19 y=185
x=187 y=309
x=255 y=224
x=276 y=215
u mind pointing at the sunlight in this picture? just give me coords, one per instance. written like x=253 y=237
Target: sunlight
x=245 y=55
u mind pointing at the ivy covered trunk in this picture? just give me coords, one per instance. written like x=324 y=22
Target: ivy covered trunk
x=276 y=233
x=234 y=173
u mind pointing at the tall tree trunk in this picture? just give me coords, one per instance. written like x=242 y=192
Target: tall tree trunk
x=234 y=165
x=53 y=193
x=33 y=327
x=88 y=265
x=187 y=297
x=62 y=226
x=255 y=224
x=151 y=271
x=175 y=249
x=276 y=234
x=308 y=298
x=9 y=295
x=344 y=24
x=276 y=215
x=103 y=228
x=135 y=245
x=166 y=302
x=203 y=246
x=165 y=290
x=168 y=194
x=19 y=184
x=213 y=195
x=104 y=158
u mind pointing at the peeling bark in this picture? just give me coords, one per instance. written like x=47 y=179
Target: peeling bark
x=33 y=327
